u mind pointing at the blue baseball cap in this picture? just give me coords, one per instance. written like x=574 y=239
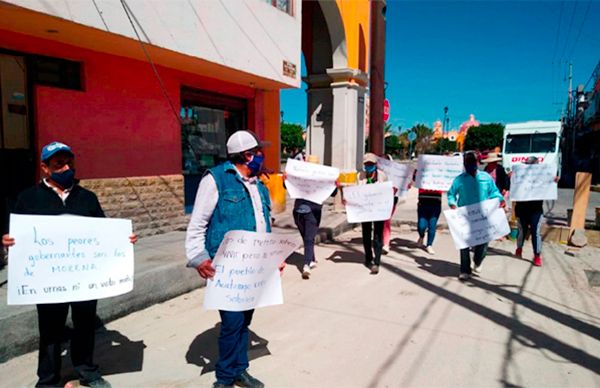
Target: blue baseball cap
x=50 y=149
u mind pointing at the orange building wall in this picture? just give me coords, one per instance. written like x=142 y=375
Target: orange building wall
x=356 y=14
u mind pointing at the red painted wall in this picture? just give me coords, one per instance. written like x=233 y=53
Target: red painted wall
x=121 y=124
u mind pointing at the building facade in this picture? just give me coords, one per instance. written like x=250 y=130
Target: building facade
x=147 y=92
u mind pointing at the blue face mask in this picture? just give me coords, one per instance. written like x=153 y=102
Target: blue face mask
x=64 y=179
x=255 y=164
x=371 y=169
x=471 y=168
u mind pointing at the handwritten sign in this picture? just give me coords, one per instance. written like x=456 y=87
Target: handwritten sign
x=310 y=181
x=247 y=271
x=531 y=182
x=436 y=172
x=373 y=202
x=59 y=259
x=477 y=224
x=399 y=174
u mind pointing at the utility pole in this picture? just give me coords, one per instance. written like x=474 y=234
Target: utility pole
x=569 y=107
x=377 y=81
x=445 y=123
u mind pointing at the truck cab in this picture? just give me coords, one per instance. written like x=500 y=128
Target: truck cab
x=532 y=138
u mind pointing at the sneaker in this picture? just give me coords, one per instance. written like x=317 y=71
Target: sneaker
x=385 y=249
x=477 y=269
x=519 y=253
x=100 y=383
x=430 y=250
x=246 y=380
x=220 y=385
x=537 y=260
x=464 y=276
x=375 y=270
x=305 y=272
x=312 y=264
x=420 y=242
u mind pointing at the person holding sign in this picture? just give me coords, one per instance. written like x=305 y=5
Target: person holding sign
x=429 y=208
x=229 y=197
x=529 y=216
x=372 y=232
x=307 y=217
x=470 y=187
x=59 y=193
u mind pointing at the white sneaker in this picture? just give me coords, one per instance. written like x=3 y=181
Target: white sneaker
x=464 y=276
x=385 y=249
x=312 y=264
x=305 y=272
x=430 y=250
x=420 y=241
x=477 y=269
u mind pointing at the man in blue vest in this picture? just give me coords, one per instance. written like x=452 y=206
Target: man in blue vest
x=229 y=197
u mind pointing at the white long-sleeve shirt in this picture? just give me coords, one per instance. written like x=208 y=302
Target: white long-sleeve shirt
x=205 y=203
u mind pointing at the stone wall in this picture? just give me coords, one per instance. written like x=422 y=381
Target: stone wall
x=153 y=203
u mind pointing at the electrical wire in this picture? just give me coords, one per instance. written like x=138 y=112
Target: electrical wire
x=100 y=14
x=569 y=32
x=580 y=28
x=160 y=81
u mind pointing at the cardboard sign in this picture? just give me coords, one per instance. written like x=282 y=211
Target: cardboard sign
x=247 y=271
x=435 y=172
x=372 y=202
x=59 y=259
x=531 y=182
x=477 y=224
x=310 y=181
x=399 y=174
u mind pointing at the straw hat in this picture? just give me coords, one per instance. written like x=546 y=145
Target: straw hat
x=492 y=157
x=312 y=159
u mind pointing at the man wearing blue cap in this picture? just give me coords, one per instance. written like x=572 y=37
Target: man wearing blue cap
x=59 y=193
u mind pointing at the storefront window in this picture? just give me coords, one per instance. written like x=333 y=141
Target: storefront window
x=207 y=122
x=282 y=5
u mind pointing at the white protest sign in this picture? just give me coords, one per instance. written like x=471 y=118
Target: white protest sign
x=310 y=181
x=59 y=259
x=530 y=182
x=399 y=174
x=477 y=224
x=436 y=172
x=247 y=271
x=372 y=202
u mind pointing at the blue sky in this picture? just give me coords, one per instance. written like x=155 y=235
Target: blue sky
x=502 y=61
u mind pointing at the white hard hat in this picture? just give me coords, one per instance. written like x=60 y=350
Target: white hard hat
x=241 y=141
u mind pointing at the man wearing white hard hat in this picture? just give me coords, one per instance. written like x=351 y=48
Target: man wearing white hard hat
x=229 y=197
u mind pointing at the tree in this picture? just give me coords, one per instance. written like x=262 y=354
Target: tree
x=484 y=137
x=422 y=143
x=291 y=138
x=445 y=145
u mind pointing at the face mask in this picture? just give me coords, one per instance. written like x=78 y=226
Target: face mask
x=471 y=168
x=371 y=169
x=64 y=179
x=255 y=164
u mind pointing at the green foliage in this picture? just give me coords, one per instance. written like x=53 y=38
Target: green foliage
x=422 y=143
x=444 y=145
x=484 y=137
x=291 y=138
x=393 y=146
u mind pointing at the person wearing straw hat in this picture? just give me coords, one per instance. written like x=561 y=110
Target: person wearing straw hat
x=496 y=171
x=372 y=232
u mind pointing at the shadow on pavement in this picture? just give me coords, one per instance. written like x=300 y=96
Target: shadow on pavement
x=204 y=349
x=114 y=353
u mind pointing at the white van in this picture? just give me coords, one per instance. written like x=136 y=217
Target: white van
x=532 y=138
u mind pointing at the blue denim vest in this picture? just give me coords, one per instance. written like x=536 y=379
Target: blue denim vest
x=234 y=209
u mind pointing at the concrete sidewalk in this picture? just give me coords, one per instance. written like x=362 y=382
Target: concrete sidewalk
x=413 y=325
x=160 y=273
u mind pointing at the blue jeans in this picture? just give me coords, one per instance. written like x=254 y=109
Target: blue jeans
x=532 y=221
x=479 y=252
x=233 y=345
x=428 y=215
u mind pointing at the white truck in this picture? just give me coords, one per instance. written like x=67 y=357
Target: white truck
x=532 y=138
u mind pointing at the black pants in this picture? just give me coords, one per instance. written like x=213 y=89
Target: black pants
x=374 y=243
x=308 y=225
x=51 y=320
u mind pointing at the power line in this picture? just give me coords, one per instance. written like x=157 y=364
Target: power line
x=160 y=81
x=569 y=31
x=580 y=28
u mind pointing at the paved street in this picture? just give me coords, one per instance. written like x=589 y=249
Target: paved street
x=414 y=324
